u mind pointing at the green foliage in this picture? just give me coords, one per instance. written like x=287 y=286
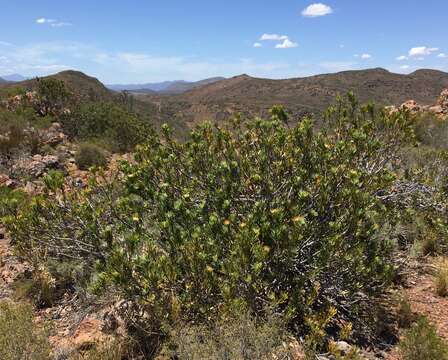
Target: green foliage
x=89 y=155
x=234 y=219
x=431 y=131
x=441 y=280
x=12 y=134
x=108 y=124
x=422 y=342
x=235 y=338
x=53 y=96
x=266 y=214
x=54 y=180
x=20 y=338
x=11 y=201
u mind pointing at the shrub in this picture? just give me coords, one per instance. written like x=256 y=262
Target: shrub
x=235 y=338
x=258 y=214
x=441 y=280
x=228 y=214
x=20 y=338
x=108 y=124
x=422 y=342
x=12 y=134
x=89 y=155
x=11 y=201
x=52 y=96
x=405 y=314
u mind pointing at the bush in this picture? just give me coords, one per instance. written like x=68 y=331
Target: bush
x=405 y=314
x=235 y=338
x=258 y=214
x=52 y=96
x=441 y=280
x=20 y=338
x=11 y=201
x=108 y=124
x=12 y=132
x=422 y=342
x=89 y=155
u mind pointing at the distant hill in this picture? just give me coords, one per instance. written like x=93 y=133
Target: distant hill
x=14 y=77
x=84 y=86
x=300 y=96
x=166 y=87
x=2 y=81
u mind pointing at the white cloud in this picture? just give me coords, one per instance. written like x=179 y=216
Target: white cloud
x=420 y=51
x=315 y=10
x=61 y=24
x=286 y=44
x=366 y=56
x=401 y=58
x=258 y=45
x=442 y=55
x=52 y=22
x=45 y=21
x=273 y=37
x=405 y=67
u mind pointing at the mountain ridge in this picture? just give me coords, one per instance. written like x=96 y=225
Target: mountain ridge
x=252 y=96
x=167 y=87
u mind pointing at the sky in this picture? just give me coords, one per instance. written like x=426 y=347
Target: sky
x=139 y=41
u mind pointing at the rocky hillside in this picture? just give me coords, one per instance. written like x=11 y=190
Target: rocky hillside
x=84 y=86
x=300 y=96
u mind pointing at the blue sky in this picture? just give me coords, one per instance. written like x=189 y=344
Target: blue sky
x=138 y=41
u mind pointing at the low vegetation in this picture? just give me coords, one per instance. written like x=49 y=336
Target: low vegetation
x=441 y=280
x=422 y=342
x=20 y=338
x=90 y=155
x=107 y=124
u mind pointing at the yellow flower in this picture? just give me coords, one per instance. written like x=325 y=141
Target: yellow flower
x=227 y=222
x=299 y=219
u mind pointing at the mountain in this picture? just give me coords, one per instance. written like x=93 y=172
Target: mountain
x=300 y=96
x=167 y=87
x=14 y=77
x=2 y=81
x=82 y=85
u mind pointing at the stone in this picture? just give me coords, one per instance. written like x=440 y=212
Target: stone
x=343 y=347
x=411 y=105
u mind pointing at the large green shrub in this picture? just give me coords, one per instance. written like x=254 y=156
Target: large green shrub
x=262 y=214
x=110 y=124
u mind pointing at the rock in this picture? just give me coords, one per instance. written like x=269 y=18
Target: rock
x=437 y=109
x=442 y=101
x=40 y=164
x=88 y=334
x=53 y=135
x=4 y=179
x=411 y=105
x=343 y=347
